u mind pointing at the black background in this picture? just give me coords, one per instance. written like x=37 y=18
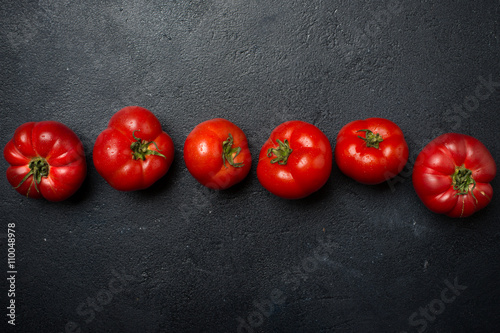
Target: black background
x=198 y=259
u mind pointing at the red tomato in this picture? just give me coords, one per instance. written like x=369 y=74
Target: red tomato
x=295 y=161
x=452 y=174
x=47 y=160
x=371 y=151
x=216 y=154
x=133 y=152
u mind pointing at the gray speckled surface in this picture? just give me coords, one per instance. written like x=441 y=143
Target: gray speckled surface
x=189 y=259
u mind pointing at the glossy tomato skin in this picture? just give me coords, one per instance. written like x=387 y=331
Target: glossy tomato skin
x=371 y=165
x=435 y=167
x=308 y=166
x=114 y=158
x=54 y=145
x=203 y=151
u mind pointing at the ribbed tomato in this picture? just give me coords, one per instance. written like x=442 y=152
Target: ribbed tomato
x=46 y=159
x=452 y=175
x=133 y=152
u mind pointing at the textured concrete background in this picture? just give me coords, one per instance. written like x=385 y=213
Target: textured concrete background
x=181 y=258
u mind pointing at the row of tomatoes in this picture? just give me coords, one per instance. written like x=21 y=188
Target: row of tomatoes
x=451 y=174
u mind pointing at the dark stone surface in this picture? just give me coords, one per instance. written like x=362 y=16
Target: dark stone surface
x=193 y=260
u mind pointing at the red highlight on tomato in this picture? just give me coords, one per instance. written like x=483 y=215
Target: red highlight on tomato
x=46 y=160
x=295 y=161
x=216 y=154
x=133 y=152
x=452 y=174
x=371 y=151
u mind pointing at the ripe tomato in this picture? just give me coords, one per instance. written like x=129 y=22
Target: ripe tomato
x=46 y=159
x=133 y=152
x=295 y=161
x=216 y=154
x=371 y=151
x=452 y=174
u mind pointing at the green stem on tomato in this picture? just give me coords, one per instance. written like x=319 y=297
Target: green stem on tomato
x=38 y=168
x=462 y=180
x=371 y=139
x=140 y=148
x=282 y=152
x=228 y=151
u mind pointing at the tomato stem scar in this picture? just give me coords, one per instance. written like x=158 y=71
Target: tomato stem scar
x=282 y=152
x=38 y=168
x=371 y=139
x=228 y=151
x=462 y=180
x=140 y=148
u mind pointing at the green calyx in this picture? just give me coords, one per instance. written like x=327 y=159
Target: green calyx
x=371 y=139
x=462 y=180
x=281 y=153
x=38 y=168
x=140 y=148
x=229 y=153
